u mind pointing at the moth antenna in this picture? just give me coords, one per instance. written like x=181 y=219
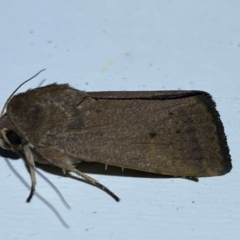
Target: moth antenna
x=5 y=105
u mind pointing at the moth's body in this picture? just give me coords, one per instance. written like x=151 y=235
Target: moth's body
x=175 y=133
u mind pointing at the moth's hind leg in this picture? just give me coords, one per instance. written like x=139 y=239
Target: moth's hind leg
x=64 y=161
x=94 y=182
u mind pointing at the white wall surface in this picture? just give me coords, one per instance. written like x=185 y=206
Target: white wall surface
x=124 y=45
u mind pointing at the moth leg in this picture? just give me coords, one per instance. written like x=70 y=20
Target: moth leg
x=191 y=179
x=64 y=161
x=29 y=160
x=94 y=182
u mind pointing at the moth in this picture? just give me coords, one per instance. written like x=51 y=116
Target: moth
x=173 y=133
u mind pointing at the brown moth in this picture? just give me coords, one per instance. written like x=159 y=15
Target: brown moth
x=174 y=133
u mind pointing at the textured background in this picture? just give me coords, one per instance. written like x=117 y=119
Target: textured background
x=124 y=45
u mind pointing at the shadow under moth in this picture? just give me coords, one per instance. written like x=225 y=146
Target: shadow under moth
x=173 y=133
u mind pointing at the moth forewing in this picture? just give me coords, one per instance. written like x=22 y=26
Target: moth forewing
x=175 y=133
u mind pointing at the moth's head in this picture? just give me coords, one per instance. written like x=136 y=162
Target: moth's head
x=8 y=137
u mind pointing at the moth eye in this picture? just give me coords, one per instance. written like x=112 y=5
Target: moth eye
x=13 y=138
